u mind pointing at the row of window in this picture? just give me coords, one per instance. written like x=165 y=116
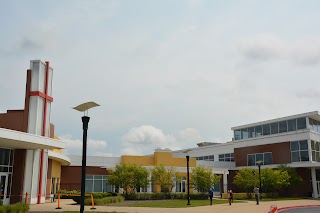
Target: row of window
x=226 y=157
x=208 y=158
x=98 y=183
x=262 y=158
x=6 y=157
x=269 y=129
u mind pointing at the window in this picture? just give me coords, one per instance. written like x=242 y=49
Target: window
x=207 y=158
x=315 y=146
x=251 y=132
x=299 y=151
x=283 y=126
x=244 y=133
x=274 y=128
x=266 y=129
x=226 y=157
x=237 y=135
x=97 y=183
x=181 y=186
x=266 y=158
x=301 y=123
x=258 y=131
x=292 y=125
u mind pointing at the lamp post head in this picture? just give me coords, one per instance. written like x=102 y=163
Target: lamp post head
x=259 y=162
x=85 y=107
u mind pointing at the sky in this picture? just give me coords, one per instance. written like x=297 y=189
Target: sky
x=167 y=74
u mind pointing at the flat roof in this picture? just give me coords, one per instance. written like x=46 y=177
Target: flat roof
x=315 y=115
x=20 y=140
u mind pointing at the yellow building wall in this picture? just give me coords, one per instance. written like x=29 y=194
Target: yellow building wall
x=159 y=158
x=138 y=160
x=56 y=169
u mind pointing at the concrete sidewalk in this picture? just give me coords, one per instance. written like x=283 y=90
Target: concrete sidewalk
x=248 y=207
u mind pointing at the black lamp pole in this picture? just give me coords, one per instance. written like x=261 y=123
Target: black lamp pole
x=259 y=165
x=85 y=121
x=188 y=179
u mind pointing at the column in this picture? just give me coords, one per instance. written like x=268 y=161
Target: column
x=225 y=182
x=149 y=189
x=315 y=193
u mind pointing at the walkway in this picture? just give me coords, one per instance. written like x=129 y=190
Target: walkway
x=249 y=207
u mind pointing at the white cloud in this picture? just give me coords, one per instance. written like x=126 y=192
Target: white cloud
x=74 y=146
x=144 y=139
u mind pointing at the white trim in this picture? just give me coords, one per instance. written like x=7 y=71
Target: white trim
x=21 y=140
x=64 y=160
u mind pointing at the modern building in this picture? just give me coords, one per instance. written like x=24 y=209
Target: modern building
x=30 y=154
x=292 y=140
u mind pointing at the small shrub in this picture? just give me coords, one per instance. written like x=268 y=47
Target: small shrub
x=1 y=202
x=103 y=201
x=15 y=208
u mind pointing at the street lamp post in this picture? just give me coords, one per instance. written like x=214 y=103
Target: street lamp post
x=85 y=121
x=188 y=179
x=259 y=166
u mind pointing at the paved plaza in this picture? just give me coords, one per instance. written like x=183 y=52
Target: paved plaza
x=247 y=207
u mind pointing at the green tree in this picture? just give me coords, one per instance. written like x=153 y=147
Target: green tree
x=202 y=178
x=294 y=179
x=246 y=179
x=273 y=180
x=129 y=177
x=165 y=177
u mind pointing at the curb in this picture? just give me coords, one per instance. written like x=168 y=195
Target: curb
x=294 y=207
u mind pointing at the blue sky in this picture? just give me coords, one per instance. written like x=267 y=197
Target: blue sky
x=166 y=73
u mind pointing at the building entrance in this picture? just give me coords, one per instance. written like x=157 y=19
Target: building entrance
x=4 y=188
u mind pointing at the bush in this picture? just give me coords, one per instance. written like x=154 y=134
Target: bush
x=15 y=208
x=103 y=201
x=96 y=196
x=68 y=194
x=1 y=202
x=163 y=196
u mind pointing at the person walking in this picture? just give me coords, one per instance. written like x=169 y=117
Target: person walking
x=230 y=196
x=256 y=193
x=210 y=191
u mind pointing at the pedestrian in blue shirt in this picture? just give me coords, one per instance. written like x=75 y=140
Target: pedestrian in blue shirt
x=210 y=191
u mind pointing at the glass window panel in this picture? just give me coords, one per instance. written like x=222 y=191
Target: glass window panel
x=4 y=156
x=274 y=128
x=97 y=177
x=184 y=186
x=292 y=125
x=221 y=156
x=258 y=130
x=97 y=186
x=304 y=155
x=251 y=132
x=11 y=157
x=303 y=145
x=317 y=156
x=89 y=185
x=178 y=186
x=266 y=129
x=294 y=146
x=313 y=147
x=315 y=125
x=295 y=156
x=232 y=154
x=200 y=158
x=227 y=155
x=283 y=126
x=89 y=176
x=205 y=157
x=301 y=123
x=244 y=133
x=237 y=135
x=251 y=160
x=310 y=121
x=267 y=159
x=317 y=144
x=259 y=157
x=314 y=155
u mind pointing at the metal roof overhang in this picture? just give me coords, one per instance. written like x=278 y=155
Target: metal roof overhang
x=64 y=160
x=20 y=140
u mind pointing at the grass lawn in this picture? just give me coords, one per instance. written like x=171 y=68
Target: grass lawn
x=178 y=203
x=275 y=199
